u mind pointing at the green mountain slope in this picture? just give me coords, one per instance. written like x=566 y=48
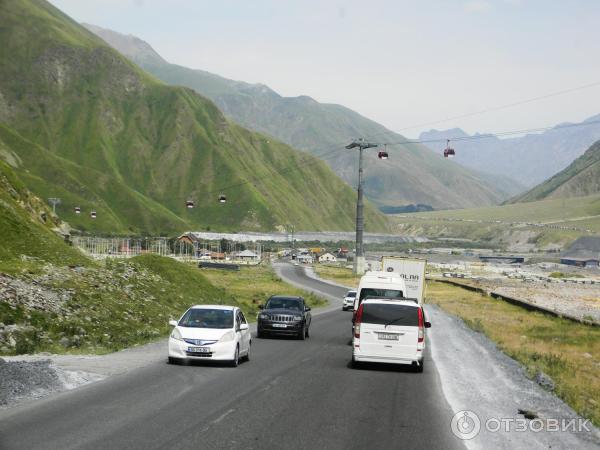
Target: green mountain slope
x=581 y=178
x=26 y=226
x=81 y=122
x=413 y=174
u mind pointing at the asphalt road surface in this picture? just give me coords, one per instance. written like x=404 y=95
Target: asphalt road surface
x=291 y=394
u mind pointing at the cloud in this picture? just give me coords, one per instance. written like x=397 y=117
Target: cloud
x=478 y=6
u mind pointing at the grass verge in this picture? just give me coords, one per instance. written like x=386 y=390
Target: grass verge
x=566 y=351
x=339 y=275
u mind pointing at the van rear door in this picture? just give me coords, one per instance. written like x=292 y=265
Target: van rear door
x=389 y=330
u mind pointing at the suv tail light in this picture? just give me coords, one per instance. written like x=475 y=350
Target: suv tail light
x=421 y=335
x=357 y=322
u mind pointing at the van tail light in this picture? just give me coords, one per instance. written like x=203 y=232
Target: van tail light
x=357 y=322
x=421 y=326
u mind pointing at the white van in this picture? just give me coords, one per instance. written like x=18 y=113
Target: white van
x=389 y=331
x=380 y=284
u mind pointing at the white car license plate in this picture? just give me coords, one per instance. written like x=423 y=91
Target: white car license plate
x=387 y=337
x=198 y=350
x=279 y=325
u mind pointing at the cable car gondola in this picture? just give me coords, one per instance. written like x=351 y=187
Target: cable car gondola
x=77 y=210
x=383 y=154
x=189 y=204
x=449 y=152
x=222 y=198
x=93 y=214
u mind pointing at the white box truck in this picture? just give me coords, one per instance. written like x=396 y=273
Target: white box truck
x=412 y=271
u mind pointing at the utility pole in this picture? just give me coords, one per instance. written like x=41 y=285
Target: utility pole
x=292 y=228
x=54 y=201
x=359 y=258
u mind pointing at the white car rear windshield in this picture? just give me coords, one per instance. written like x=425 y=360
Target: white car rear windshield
x=207 y=318
x=389 y=314
x=351 y=294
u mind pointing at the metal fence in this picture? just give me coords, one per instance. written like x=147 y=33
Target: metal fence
x=225 y=252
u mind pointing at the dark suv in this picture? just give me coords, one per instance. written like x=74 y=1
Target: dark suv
x=284 y=315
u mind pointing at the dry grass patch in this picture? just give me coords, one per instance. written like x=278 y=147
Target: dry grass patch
x=566 y=351
x=340 y=275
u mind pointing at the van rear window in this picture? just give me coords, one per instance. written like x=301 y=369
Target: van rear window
x=387 y=293
x=381 y=314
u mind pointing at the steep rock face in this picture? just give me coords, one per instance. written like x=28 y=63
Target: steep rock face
x=581 y=178
x=90 y=127
x=413 y=174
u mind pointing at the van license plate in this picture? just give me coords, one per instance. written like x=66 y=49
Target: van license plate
x=198 y=350
x=387 y=337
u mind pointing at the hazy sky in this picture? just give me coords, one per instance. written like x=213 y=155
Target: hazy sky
x=400 y=63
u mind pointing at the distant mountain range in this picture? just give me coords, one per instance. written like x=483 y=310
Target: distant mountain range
x=412 y=175
x=581 y=178
x=80 y=122
x=529 y=159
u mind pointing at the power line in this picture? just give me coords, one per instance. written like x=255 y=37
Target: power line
x=313 y=159
x=506 y=106
x=495 y=108
x=495 y=135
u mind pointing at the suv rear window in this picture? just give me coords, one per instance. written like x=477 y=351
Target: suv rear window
x=351 y=294
x=381 y=314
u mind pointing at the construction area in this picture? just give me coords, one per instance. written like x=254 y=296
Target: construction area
x=185 y=248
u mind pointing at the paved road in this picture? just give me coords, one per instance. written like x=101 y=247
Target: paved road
x=292 y=394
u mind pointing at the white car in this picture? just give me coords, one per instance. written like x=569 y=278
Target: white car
x=348 y=302
x=389 y=331
x=210 y=332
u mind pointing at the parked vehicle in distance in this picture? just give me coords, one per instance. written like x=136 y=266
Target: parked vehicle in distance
x=210 y=332
x=284 y=315
x=389 y=331
x=348 y=302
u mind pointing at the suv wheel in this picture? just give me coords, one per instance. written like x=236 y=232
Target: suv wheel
x=302 y=333
x=307 y=332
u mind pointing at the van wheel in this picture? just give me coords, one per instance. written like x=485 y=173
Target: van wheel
x=419 y=367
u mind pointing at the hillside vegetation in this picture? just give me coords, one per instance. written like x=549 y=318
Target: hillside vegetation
x=581 y=178
x=52 y=298
x=26 y=226
x=413 y=174
x=81 y=122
